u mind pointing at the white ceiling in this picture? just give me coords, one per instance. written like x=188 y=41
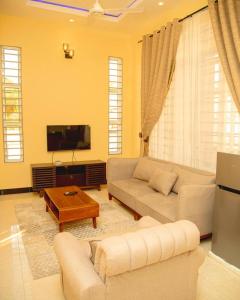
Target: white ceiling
x=153 y=15
x=89 y=3
x=82 y=8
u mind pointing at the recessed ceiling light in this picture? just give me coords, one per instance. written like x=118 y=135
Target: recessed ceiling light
x=71 y=20
x=160 y=3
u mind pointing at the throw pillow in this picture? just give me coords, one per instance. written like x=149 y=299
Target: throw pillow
x=146 y=166
x=163 y=181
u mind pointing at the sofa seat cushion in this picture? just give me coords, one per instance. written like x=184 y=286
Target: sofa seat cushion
x=160 y=207
x=129 y=190
x=146 y=166
x=190 y=176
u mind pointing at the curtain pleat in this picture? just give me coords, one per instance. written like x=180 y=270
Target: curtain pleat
x=225 y=15
x=158 y=61
x=199 y=116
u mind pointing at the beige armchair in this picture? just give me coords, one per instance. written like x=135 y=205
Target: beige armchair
x=158 y=262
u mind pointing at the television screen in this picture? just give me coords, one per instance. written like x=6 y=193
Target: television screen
x=68 y=137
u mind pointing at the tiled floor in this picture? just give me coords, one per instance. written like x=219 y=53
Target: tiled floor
x=16 y=282
x=15 y=276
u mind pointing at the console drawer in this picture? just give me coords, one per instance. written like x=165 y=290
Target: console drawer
x=73 y=179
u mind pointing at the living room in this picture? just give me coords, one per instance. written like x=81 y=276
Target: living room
x=85 y=66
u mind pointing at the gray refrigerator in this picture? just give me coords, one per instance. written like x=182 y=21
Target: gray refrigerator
x=226 y=217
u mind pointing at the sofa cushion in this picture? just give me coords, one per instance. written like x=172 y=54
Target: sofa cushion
x=160 y=207
x=146 y=166
x=188 y=176
x=162 y=181
x=128 y=190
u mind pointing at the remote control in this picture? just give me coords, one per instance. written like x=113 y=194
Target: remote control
x=70 y=193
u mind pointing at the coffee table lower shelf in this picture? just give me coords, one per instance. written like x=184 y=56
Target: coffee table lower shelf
x=61 y=224
x=70 y=208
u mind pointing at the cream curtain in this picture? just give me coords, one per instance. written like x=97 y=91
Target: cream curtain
x=225 y=18
x=199 y=117
x=158 y=61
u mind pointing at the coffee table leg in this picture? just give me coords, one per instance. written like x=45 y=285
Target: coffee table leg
x=60 y=227
x=94 y=222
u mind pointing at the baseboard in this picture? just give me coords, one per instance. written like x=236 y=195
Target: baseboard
x=16 y=191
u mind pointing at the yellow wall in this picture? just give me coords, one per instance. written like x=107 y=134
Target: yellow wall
x=61 y=91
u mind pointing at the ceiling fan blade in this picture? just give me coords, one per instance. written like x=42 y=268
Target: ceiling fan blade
x=124 y=10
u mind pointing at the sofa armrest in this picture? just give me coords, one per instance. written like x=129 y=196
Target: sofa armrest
x=80 y=281
x=195 y=203
x=120 y=168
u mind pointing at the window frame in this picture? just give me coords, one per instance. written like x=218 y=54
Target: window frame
x=118 y=107
x=17 y=107
x=199 y=116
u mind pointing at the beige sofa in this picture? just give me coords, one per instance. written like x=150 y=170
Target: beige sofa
x=155 y=262
x=191 y=197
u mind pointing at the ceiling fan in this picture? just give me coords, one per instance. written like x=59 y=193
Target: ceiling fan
x=98 y=10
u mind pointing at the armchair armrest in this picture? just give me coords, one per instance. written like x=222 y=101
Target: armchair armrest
x=120 y=168
x=195 y=203
x=80 y=281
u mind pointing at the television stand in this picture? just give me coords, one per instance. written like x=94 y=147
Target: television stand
x=85 y=174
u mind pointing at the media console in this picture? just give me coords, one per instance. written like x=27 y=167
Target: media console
x=85 y=174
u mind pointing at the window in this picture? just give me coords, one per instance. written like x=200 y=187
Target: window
x=115 y=106
x=11 y=94
x=200 y=117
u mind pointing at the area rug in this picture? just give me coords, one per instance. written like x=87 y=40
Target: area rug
x=39 y=229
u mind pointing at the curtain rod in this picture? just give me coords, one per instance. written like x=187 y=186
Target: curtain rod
x=188 y=16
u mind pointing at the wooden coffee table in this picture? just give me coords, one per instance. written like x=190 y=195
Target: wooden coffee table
x=70 y=208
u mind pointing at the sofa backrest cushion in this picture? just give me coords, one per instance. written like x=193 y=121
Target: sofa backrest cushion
x=146 y=166
x=163 y=181
x=188 y=176
x=131 y=251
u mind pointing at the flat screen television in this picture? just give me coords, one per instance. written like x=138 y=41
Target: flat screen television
x=68 y=137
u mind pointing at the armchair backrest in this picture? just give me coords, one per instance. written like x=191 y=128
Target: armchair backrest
x=161 y=261
x=130 y=251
